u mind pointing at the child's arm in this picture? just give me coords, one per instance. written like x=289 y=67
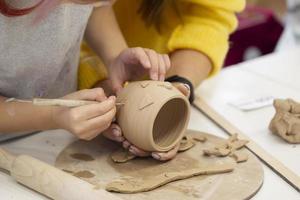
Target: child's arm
x=123 y=64
x=190 y=64
x=104 y=35
x=199 y=45
x=86 y=122
x=17 y=117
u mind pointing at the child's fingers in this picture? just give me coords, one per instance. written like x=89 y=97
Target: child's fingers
x=89 y=135
x=154 y=70
x=167 y=61
x=102 y=121
x=116 y=85
x=126 y=144
x=162 y=68
x=135 y=56
x=95 y=94
x=114 y=133
x=138 y=152
x=166 y=155
x=93 y=110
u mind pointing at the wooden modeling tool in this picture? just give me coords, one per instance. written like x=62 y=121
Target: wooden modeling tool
x=288 y=175
x=48 y=180
x=57 y=102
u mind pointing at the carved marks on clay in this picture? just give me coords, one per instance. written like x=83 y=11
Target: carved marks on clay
x=166 y=85
x=146 y=101
x=144 y=84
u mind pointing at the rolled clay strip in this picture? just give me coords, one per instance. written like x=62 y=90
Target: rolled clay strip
x=154 y=116
x=133 y=185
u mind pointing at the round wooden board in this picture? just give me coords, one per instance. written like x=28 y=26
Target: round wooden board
x=242 y=183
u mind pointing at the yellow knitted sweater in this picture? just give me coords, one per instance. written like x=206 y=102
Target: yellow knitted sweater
x=202 y=25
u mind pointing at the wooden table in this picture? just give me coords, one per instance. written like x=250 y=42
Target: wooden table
x=258 y=77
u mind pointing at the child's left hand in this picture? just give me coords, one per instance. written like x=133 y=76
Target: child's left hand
x=133 y=63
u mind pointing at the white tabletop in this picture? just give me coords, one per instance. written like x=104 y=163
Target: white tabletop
x=274 y=75
x=234 y=82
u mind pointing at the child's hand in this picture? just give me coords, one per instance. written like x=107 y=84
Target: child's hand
x=86 y=122
x=133 y=63
x=114 y=132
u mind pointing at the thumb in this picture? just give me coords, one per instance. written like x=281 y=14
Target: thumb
x=117 y=85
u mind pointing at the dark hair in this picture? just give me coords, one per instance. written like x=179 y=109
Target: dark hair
x=151 y=11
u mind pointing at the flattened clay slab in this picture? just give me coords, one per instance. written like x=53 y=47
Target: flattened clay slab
x=134 y=185
x=242 y=183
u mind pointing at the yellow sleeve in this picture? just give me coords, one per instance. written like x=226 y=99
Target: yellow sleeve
x=91 y=69
x=206 y=27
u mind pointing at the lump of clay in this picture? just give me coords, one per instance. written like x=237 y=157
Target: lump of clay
x=154 y=116
x=286 y=122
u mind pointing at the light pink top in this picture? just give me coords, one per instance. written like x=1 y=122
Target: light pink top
x=41 y=60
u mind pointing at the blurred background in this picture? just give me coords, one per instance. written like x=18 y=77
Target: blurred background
x=265 y=26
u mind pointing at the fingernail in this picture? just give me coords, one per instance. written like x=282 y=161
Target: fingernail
x=187 y=86
x=156 y=156
x=116 y=132
x=154 y=76
x=120 y=139
x=126 y=144
x=132 y=151
x=147 y=63
x=112 y=98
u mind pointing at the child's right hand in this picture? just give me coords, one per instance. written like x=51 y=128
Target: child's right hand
x=86 y=122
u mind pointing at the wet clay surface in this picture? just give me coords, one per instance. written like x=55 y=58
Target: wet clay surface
x=243 y=181
x=82 y=156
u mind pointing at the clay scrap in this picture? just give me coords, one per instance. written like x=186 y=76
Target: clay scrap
x=286 y=121
x=186 y=143
x=134 y=185
x=240 y=156
x=228 y=148
x=122 y=155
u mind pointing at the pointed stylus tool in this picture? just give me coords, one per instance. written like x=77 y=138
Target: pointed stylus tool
x=57 y=102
